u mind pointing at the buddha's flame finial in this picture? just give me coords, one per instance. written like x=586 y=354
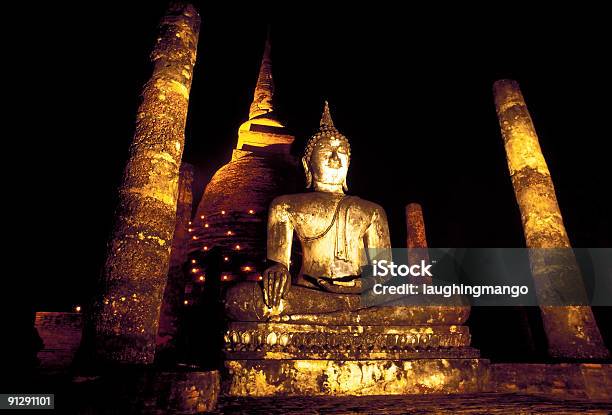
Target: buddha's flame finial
x=326 y=119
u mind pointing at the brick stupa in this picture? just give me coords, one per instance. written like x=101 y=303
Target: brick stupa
x=232 y=213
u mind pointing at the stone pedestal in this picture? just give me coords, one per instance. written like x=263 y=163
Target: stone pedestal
x=590 y=381
x=278 y=359
x=295 y=377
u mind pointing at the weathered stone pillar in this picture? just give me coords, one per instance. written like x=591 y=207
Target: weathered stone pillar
x=416 y=240
x=415 y=226
x=126 y=317
x=571 y=330
x=175 y=285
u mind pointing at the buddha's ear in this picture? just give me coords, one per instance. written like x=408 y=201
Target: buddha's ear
x=344 y=185
x=307 y=173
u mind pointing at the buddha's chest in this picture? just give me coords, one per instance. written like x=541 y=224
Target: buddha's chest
x=325 y=220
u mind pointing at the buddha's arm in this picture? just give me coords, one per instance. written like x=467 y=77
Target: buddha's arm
x=277 y=280
x=280 y=233
x=377 y=234
x=378 y=243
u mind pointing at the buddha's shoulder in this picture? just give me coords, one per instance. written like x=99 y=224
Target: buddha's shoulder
x=367 y=206
x=293 y=201
x=300 y=201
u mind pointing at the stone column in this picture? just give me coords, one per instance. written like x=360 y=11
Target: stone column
x=571 y=330
x=126 y=317
x=415 y=226
x=175 y=285
x=416 y=240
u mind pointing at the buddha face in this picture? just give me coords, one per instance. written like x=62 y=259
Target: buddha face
x=329 y=161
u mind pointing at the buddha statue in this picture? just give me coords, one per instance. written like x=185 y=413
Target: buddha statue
x=337 y=233
x=313 y=333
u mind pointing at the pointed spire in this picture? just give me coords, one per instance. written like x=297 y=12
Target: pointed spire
x=264 y=90
x=326 y=119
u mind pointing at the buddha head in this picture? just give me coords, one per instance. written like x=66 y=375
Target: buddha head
x=327 y=155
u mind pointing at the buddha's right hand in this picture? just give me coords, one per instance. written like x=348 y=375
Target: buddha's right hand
x=276 y=283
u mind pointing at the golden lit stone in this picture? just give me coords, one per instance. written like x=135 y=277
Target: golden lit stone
x=139 y=252
x=571 y=331
x=253 y=134
x=279 y=377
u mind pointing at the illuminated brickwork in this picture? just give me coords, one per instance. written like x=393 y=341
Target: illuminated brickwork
x=232 y=213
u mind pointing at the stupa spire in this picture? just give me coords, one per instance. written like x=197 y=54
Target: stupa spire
x=264 y=90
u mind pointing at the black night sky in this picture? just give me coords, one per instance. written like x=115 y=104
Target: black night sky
x=412 y=91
